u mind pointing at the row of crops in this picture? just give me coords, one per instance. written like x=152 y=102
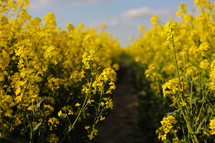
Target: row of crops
x=55 y=85
x=173 y=67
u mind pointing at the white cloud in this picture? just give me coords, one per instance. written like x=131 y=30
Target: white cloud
x=78 y=2
x=41 y=4
x=109 y=23
x=46 y=3
x=144 y=12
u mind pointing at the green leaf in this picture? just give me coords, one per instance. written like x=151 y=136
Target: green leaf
x=203 y=129
x=176 y=111
x=39 y=102
x=37 y=126
x=209 y=110
x=200 y=125
x=194 y=100
x=200 y=101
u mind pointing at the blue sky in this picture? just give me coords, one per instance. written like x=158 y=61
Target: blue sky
x=122 y=17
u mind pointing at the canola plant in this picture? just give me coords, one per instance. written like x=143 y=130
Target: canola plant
x=179 y=63
x=55 y=85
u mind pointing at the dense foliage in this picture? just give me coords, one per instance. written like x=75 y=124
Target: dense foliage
x=55 y=84
x=178 y=59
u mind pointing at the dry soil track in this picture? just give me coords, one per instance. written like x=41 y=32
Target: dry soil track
x=121 y=125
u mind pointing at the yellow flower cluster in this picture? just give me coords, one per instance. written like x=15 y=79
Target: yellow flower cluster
x=44 y=71
x=52 y=138
x=107 y=76
x=171 y=29
x=212 y=126
x=93 y=133
x=53 y=122
x=166 y=127
x=173 y=87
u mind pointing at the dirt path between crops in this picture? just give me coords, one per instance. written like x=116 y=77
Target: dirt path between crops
x=121 y=125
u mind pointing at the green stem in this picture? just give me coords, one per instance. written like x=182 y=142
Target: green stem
x=176 y=62
x=80 y=111
x=191 y=96
x=190 y=130
x=197 y=119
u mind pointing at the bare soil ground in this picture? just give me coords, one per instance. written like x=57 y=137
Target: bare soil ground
x=121 y=125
